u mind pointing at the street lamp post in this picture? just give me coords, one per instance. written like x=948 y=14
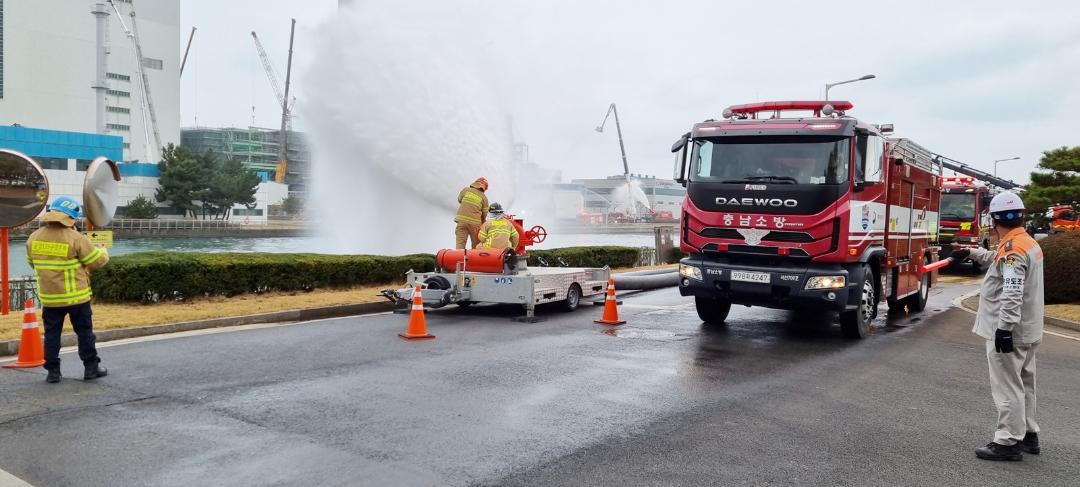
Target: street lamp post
x=830 y=85
x=1002 y=160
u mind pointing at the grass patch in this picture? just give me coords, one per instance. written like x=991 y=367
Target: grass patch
x=119 y=315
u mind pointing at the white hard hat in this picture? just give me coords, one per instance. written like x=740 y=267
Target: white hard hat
x=1006 y=201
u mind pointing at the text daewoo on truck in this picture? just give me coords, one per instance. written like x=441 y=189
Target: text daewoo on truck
x=816 y=212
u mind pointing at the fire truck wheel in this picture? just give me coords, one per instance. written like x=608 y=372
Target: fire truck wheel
x=856 y=323
x=573 y=298
x=917 y=302
x=712 y=311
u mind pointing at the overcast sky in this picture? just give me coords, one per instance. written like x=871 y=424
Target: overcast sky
x=973 y=81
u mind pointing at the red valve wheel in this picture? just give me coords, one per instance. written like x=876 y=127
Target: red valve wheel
x=539 y=233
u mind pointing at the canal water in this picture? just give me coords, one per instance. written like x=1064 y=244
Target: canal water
x=19 y=266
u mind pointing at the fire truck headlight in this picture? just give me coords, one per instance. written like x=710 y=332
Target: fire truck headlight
x=826 y=282
x=690 y=271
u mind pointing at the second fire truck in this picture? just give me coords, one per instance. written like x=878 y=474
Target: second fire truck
x=965 y=203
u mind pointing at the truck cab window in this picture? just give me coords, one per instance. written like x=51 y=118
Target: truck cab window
x=772 y=160
x=869 y=164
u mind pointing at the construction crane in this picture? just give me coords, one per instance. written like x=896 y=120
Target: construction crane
x=965 y=169
x=186 y=51
x=286 y=107
x=149 y=116
x=631 y=209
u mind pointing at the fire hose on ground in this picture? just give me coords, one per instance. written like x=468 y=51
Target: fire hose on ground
x=646 y=280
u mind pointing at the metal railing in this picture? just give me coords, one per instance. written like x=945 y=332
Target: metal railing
x=647 y=256
x=22 y=288
x=167 y=224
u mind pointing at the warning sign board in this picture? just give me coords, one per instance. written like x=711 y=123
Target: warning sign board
x=100 y=238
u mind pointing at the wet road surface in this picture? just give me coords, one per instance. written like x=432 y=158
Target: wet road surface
x=771 y=398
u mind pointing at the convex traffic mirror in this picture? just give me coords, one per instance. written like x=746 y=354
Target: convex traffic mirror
x=24 y=189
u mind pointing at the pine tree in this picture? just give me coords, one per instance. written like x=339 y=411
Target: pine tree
x=1057 y=182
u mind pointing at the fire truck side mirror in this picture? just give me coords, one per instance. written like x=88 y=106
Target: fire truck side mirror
x=984 y=201
x=861 y=185
x=679 y=148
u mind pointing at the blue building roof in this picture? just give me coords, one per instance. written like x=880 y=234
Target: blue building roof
x=65 y=145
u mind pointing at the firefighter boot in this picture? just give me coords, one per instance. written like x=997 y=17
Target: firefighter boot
x=997 y=451
x=93 y=371
x=54 y=376
x=1030 y=443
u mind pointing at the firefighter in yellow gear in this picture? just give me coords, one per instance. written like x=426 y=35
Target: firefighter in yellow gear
x=498 y=232
x=62 y=258
x=472 y=212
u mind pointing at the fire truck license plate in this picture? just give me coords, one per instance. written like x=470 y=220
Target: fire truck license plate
x=746 y=276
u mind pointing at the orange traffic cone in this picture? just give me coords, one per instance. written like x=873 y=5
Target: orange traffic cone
x=31 y=350
x=417 y=325
x=611 y=307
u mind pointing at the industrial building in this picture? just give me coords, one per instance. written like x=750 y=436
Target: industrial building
x=70 y=66
x=257 y=148
x=663 y=194
x=71 y=90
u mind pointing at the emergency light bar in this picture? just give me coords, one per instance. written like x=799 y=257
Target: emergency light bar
x=752 y=109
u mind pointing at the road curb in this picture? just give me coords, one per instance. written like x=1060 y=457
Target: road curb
x=11 y=347
x=1049 y=320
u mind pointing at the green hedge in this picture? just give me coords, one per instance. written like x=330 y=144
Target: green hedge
x=1061 y=260
x=154 y=276
x=599 y=256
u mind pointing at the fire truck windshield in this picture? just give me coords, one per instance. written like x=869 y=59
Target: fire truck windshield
x=958 y=206
x=775 y=160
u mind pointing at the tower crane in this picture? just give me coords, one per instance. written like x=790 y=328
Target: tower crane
x=149 y=115
x=283 y=101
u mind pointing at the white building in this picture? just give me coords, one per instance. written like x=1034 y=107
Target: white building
x=49 y=69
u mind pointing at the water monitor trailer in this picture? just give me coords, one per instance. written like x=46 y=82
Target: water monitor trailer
x=527 y=287
x=464 y=277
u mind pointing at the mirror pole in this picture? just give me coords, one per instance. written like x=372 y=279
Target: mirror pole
x=5 y=307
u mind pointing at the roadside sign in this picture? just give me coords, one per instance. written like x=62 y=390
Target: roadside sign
x=100 y=238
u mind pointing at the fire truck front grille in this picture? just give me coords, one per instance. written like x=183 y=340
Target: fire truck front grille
x=773 y=236
x=756 y=250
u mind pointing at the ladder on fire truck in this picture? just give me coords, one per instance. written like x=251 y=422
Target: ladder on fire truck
x=915 y=154
x=962 y=168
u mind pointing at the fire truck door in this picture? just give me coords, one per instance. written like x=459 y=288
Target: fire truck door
x=904 y=231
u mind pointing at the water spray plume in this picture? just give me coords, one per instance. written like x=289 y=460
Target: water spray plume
x=400 y=122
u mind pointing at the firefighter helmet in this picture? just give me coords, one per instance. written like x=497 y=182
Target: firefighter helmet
x=66 y=205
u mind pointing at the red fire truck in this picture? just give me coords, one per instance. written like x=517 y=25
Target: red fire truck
x=965 y=219
x=965 y=203
x=820 y=211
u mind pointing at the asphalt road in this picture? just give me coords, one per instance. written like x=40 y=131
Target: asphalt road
x=771 y=398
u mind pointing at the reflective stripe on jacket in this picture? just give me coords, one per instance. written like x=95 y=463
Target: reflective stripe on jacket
x=1012 y=291
x=61 y=257
x=473 y=205
x=498 y=234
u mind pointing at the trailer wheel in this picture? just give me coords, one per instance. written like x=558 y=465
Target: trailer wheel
x=856 y=323
x=917 y=302
x=711 y=310
x=573 y=298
